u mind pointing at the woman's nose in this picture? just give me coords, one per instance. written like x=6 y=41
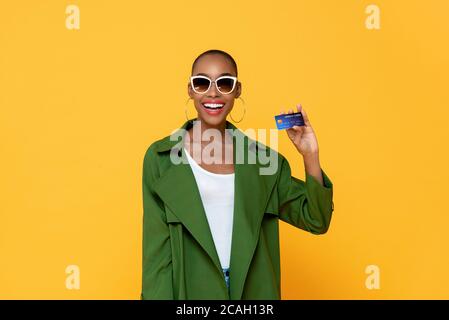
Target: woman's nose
x=213 y=92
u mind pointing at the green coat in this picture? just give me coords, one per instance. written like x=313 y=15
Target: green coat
x=179 y=259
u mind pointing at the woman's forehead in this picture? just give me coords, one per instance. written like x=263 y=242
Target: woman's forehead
x=209 y=75
x=214 y=66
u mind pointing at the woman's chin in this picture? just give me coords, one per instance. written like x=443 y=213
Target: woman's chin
x=214 y=119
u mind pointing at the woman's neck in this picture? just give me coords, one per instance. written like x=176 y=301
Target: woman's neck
x=198 y=133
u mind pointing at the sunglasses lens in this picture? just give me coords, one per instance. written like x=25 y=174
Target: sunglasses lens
x=200 y=84
x=225 y=85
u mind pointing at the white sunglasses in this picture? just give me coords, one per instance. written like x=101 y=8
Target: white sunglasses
x=202 y=84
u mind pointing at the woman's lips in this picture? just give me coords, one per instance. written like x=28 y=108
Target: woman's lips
x=213 y=108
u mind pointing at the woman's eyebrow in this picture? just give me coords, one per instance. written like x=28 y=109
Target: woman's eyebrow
x=223 y=74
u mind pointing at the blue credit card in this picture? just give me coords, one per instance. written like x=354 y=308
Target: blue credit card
x=288 y=120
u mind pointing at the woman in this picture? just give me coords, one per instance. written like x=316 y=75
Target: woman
x=210 y=229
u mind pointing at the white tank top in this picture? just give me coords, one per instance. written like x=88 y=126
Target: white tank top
x=217 y=195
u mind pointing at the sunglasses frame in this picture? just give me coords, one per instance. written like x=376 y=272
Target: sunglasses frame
x=213 y=81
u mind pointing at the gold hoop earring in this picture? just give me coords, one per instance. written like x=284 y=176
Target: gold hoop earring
x=244 y=112
x=186 y=107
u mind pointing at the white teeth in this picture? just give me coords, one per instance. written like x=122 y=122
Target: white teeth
x=213 y=105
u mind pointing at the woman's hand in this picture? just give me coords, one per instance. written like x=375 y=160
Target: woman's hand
x=303 y=137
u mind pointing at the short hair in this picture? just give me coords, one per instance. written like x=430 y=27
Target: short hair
x=216 y=51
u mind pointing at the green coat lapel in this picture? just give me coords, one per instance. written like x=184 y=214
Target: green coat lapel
x=178 y=189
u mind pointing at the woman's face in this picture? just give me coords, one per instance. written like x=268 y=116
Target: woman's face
x=214 y=66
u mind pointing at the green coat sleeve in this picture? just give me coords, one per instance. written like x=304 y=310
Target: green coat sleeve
x=307 y=205
x=156 y=250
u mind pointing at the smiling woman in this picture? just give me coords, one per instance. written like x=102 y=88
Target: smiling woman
x=210 y=229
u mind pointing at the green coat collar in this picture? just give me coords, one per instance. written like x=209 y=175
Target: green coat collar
x=178 y=189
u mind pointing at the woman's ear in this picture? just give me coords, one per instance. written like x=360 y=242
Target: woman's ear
x=239 y=89
x=189 y=90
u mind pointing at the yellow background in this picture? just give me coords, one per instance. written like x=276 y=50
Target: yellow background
x=78 y=108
